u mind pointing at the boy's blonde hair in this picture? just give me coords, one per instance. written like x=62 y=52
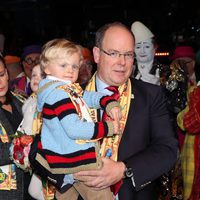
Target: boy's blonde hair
x=58 y=48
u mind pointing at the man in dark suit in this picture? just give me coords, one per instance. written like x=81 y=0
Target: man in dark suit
x=147 y=147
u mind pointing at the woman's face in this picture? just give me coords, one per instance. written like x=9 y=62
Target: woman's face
x=145 y=51
x=3 y=82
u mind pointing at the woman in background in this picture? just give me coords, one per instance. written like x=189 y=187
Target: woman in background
x=13 y=181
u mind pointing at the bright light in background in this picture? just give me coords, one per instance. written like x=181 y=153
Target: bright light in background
x=162 y=54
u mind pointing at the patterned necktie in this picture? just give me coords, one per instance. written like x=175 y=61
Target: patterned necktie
x=116 y=95
x=115 y=91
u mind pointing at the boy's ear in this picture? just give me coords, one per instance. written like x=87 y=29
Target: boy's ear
x=46 y=71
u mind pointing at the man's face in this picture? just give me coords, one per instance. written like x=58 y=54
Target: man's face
x=115 y=70
x=145 y=51
x=189 y=63
x=85 y=72
x=29 y=62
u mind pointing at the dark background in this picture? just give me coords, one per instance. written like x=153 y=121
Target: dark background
x=25 y=22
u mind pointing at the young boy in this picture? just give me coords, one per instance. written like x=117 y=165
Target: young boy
x=69 y=136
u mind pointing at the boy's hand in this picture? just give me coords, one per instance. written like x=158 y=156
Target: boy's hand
x=115 y=113
x=116 y=125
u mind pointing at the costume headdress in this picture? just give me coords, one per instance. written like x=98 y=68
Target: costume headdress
x=141 y=32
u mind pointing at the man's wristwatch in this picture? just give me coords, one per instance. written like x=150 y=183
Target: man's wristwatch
x=128 y=173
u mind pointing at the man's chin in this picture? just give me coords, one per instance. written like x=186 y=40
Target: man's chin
x=119 y=81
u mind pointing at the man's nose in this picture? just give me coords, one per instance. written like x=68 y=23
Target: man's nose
x=122 y=59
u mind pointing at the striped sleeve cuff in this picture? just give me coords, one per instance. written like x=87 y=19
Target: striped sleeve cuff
x=110 y=128
x=104 y=101
x=103 y=129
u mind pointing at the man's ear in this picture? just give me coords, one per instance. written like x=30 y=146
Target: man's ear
x=23 y=63
x=96 y=54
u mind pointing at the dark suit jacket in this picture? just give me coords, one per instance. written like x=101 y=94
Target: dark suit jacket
x=148 y=144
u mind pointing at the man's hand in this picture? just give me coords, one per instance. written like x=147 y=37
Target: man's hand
x=109 y=174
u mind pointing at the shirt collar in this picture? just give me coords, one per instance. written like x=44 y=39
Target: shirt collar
x=58 y=79
x=100 y=84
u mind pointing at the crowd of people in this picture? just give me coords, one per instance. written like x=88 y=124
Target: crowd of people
x=110 y=122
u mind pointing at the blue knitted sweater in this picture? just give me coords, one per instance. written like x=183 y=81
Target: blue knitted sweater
x=62 y=127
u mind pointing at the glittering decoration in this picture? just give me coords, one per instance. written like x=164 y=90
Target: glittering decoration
x=174 y=79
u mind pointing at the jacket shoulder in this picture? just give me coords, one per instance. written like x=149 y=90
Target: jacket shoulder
x=19 y=97
x=138 y=84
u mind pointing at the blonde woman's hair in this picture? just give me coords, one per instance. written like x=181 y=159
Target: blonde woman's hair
x=57 y=48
